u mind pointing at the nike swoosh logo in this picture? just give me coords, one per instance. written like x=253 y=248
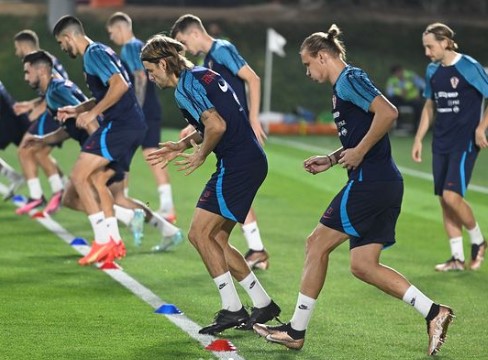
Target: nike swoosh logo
x=223 y=86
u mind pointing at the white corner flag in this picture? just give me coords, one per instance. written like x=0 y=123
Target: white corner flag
x=276 y=42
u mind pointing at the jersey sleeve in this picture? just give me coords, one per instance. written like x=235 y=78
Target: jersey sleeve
x=474 y=74
x=130 y=55
x=63 y=95
x=431 y=69
x=191 y=95
x=98 y=63
x=226 y=54
x=356 y=87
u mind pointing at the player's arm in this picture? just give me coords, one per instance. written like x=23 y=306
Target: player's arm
x=426 y=119
x=253 y=82
x=384 y=117
x=215 y=127
x=23 y=107
x=481 y=140
x=140 y=84
x=57 y=136
x=319 y=163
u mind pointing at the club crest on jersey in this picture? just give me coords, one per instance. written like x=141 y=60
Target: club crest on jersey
x=208 y=77
x=334 y=101
x=210 y=64
x=454 y=82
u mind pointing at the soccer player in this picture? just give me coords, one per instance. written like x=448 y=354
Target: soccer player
x=223 y=57
x=12 y=129
x=456 y=85
x=115 y=141
x=365 y=211
x=210 y=105
x=119 y=27
x=25 y=42
x=60 y=93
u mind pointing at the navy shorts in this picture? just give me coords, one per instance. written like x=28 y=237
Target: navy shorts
x=453 y=171
x=44 y=124
x=116 y=143
x=232 y=188
x=366 y=211
x=153 y=134
x=12 y=129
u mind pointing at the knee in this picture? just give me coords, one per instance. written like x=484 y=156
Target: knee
x=317 y=247
x=360 y=270
x=451 y=199
x=193 y=236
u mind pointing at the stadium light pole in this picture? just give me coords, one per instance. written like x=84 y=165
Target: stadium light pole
x=274 y=44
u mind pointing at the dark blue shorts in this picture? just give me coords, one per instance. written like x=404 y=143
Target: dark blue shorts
x=153 y=134
x=44 y=124
x=232 y=188
x=12 y=129
x=115 y=142
x=366 y=211
x=453 y=171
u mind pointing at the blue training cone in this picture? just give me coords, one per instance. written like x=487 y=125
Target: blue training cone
x=78 y=241
x=168 y=309
x=19 y=199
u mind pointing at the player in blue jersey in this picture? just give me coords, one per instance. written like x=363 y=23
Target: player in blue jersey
x=365 y=211
x=25 y=42
x=115 y=141
x=456 y=87
x=119 y=27
x=223 y=57
x=210 y=105
x=12 y=129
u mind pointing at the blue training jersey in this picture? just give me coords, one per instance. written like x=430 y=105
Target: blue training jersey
x=224 y=58
x=352 y=98
x=58 y=67
x=458 y=92
x=130 y=57
x=100 y=63
x=200 y=89
x=61 y=93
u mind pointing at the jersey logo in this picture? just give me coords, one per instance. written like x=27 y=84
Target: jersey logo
x=223 y=86
x=454 y=82
x=208 y=77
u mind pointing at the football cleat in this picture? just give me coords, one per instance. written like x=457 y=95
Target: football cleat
x=262 y=315
x=257 y=259
x=169 y=242
x=477 y=255
x=437 y=329
x=282 y=334
x=119 y=250
x=54 y=204
x=226 y=319
x=452 y=264
x=31 y=204
x=99 y=253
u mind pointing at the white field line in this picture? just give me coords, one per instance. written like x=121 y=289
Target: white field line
x=142 y=292
x=404 y=170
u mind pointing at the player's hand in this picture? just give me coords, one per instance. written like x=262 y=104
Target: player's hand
x=350 y=158
x=84 y=119
x=165 y=154
x=22 y=107
x=417 y=151
x=191 y=162
x=259 y=132
x=186 y=131
x=66 y=112
x=480 y=136
x=317 y=164
x=33 y=141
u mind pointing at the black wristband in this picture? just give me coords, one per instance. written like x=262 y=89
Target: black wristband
x=330 y=160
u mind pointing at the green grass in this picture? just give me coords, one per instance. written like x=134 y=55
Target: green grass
x=51 y=308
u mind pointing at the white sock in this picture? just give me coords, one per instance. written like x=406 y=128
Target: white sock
x=228 y=294
x=123 y=214
x=476 y=236
x=165 y=199
x=35 y=190
x=164 y=226
x=113 y=229
x=303 y=312
x=255 y=291
x=418 y=300
x=457 y=247
x=97 y=222
x=252 y=235
x=56 y=183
